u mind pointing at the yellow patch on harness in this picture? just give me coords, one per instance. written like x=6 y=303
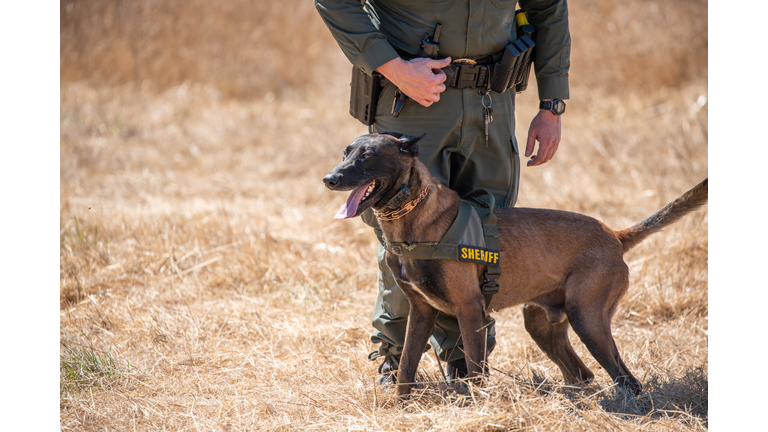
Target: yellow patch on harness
x=478 y=255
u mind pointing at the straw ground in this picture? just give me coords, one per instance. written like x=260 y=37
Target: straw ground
x=205 y=285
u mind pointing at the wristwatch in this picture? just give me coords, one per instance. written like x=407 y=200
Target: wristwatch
x=556 y=106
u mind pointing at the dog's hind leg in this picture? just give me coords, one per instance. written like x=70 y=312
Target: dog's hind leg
x=597 y=337
x=421 y=319
x=590 y=309
x=552 y=338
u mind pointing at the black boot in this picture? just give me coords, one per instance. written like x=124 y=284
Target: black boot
x=387 y=369
x=456 y=369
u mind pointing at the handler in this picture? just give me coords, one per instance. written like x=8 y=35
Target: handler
x=383 y=36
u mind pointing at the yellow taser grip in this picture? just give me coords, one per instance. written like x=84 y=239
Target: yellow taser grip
x=520 y=18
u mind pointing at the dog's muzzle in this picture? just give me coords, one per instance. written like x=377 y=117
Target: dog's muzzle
x=331 y=181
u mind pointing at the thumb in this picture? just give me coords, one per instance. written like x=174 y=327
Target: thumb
x=438 y=64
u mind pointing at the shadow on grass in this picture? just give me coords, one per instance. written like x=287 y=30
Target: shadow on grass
x=684 y=397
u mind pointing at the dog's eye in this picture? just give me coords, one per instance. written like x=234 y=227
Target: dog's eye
x=365 y=156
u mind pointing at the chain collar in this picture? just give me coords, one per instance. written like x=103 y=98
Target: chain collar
x=397 y=214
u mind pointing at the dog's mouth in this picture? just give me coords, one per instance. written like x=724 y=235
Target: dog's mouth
x=359 y=200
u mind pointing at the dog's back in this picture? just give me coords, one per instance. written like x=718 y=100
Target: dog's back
x=540 y=248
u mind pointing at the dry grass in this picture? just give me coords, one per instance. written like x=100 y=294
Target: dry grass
x=198 y=250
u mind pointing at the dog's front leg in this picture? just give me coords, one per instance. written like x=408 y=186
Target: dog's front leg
x=471 y=317
x=421 y=319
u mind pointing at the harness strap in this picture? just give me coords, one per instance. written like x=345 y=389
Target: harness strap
x=449 y=246
x=490 y=284
x=446 y=248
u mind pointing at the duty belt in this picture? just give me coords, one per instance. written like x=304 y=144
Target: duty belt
x=464 y=73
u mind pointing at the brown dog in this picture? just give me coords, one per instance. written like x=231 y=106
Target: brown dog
x=566 y=268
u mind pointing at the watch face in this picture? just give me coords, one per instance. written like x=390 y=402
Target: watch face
x=558 y=106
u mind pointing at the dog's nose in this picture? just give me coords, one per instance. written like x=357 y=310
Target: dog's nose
x=331 y=180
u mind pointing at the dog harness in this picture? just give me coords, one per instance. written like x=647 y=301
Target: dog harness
x=473 y=237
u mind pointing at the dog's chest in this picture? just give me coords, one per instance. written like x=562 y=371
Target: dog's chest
x=420 y=279
x=423 y=290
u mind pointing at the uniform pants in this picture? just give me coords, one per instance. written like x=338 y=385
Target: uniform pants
x=454 y=150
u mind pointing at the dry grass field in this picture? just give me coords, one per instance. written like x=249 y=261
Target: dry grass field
x=204 y=284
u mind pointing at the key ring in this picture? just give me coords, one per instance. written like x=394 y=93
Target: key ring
x=490 y=100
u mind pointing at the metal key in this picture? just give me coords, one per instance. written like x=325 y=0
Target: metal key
x=487 y=114
x=487 y=119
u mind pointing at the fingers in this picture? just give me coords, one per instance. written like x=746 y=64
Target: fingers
x=545 y=128
x=546 y=153
x=433 y=83
x=430 y=99
x=529 y=146
x=429 y=70
x=547 y=148
x=433 y=96
x=419 y=81
x=439 y=75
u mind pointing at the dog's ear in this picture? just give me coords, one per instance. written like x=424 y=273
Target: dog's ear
x=395 y=135
x=408 y=144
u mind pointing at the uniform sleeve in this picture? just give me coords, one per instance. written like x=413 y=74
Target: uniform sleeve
x=553 y=46
x=363 y=44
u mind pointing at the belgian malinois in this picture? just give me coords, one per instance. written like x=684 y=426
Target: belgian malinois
x=565 y=268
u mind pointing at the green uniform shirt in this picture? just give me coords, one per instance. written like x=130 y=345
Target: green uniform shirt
x=368 y=35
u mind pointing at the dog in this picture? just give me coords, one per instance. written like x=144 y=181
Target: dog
x=567 y=269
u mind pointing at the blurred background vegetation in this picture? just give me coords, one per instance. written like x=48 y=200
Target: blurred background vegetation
x=246 y=49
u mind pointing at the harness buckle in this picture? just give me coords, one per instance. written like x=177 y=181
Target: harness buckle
x=490 y=284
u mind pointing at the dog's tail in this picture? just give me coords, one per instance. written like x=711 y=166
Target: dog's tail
x=687 y=203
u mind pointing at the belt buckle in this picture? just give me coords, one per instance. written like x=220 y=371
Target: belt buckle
x=470 y=74
x=467 y=74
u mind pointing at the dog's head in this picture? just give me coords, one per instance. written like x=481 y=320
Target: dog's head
x=375 y=168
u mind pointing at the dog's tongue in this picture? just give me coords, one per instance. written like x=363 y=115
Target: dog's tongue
x=349 y=208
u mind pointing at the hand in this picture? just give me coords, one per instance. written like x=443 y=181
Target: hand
x=545 y=128
x=420 y=79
